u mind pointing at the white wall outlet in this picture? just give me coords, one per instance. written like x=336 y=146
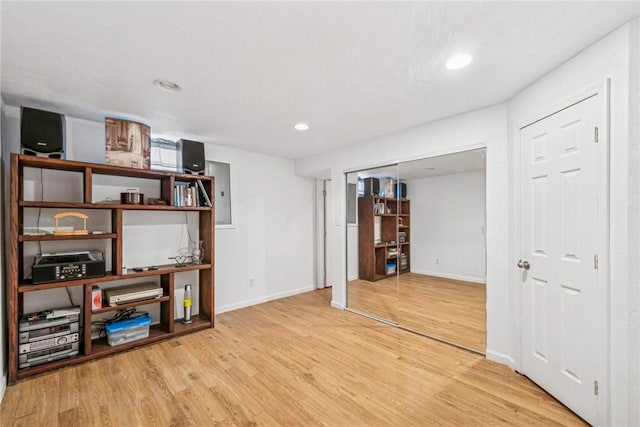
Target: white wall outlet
x=437 y=260
x=251 y=281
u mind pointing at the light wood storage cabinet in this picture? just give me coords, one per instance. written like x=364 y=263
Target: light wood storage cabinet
x=18 y=286
x=393 y=218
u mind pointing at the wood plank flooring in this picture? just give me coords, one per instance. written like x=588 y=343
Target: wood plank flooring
x=451 y=310
x=294 y=361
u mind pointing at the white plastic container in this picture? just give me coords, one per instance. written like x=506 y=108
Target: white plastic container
x=128 y=330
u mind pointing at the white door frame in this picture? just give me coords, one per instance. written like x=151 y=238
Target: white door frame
x=603 y=231
x=322 y=228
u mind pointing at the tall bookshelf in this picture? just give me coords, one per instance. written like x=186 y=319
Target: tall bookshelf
x=19 y=286
x=383 y=237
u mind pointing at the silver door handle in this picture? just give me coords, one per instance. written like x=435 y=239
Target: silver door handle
x=523 y=264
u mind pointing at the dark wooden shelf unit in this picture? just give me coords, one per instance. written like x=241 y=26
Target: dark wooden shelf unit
x=372 y=256
x=164 y=327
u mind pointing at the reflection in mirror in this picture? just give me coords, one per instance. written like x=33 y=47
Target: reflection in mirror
x=443 y=295
x=372 y=248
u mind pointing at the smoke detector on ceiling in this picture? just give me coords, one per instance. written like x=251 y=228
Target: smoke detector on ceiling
x=167 y=85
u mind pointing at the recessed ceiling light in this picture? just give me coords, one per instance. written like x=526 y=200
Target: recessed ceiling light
x=167 y=85
x=459 y=60
x=301 y=126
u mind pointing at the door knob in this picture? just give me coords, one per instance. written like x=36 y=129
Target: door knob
x=523 y=264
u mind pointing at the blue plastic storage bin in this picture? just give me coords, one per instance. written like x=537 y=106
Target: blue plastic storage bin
x=128 y=330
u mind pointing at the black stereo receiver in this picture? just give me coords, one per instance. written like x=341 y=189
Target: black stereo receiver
x=60 y=267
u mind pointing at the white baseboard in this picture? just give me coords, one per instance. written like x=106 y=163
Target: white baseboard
x=260 y=300
x=501 y=358
x=336 y=304
x=354 y=277
x=481 y=280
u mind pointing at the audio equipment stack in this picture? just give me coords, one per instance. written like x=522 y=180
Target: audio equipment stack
x=48 y=335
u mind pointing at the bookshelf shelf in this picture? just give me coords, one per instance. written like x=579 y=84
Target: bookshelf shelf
x=388 y=227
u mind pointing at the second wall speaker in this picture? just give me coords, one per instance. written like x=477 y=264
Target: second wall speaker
x=401 y=190
x=41 y=133
x=371 y=186
x=193 y=161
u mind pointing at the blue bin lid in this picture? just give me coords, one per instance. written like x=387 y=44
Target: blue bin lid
x=128 y=323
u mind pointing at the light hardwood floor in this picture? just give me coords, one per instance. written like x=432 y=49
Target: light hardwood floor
x=451 y=310
x=294 y=361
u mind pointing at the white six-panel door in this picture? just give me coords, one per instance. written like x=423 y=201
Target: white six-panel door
x=559 y=237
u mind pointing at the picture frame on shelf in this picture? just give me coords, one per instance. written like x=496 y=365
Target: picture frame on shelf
x=127 y=143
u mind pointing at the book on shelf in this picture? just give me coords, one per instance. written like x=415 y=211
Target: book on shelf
x=205 y=196
x=185 y=195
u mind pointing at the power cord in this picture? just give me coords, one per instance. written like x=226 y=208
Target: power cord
x=130 y=313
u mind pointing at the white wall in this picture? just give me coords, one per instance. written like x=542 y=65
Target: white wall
x=448 y=226
x=273 y=235
x=615 y=57
x=481 y=128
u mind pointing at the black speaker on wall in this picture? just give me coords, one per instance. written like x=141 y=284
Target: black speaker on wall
x=371 y=186
x=401 y=190
x=192 y=156
x=41 y=133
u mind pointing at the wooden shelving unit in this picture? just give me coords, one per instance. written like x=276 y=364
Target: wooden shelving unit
x=394 y=218
x=18 y=286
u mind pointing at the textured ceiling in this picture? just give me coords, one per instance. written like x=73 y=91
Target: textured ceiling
x=251 y=70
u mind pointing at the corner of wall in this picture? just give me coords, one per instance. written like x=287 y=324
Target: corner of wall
x=337 y=304
x=501 y=358
x=633 y=336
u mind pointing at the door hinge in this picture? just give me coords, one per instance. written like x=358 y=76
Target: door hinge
x=324 y=193
x=595 y=135
x=595 y=387
x=595 y=262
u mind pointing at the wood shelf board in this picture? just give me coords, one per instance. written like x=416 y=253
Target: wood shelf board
x=30 y=287
x=103 y=169
x=387 y=245
x=101 y=347
x=199 y=323
x=47 y=237
x=80 y=205
x=162 y=269
x=131 y=304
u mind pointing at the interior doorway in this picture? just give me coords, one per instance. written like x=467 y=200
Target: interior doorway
x=325 y=241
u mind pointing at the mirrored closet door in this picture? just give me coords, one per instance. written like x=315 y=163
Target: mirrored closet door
x=372 y=248
x=417 y=250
